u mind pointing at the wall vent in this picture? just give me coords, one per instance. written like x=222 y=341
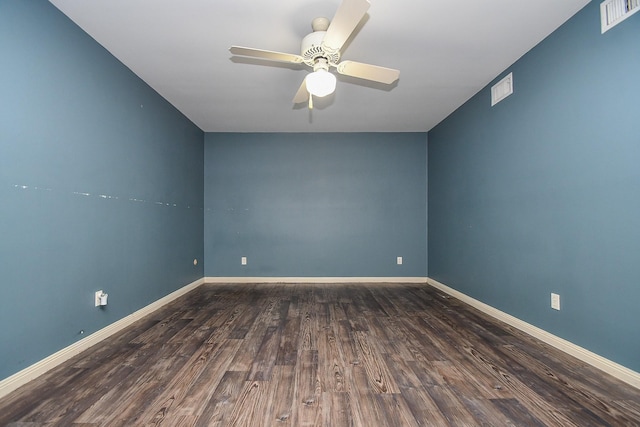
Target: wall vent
x=613 y=12
x=502 y=89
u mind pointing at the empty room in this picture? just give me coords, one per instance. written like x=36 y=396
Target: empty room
x=331 y=213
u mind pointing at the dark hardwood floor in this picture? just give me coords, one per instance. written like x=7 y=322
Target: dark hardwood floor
x=322 y=355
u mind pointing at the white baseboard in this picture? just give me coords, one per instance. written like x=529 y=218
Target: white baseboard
x=24 y=376
x=612 y=368
x=315 y=280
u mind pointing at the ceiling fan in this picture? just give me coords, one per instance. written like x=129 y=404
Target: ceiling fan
x=321 y=51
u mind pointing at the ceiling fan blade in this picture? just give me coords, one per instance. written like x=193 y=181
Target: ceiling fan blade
x=302 y=95
x=368 y=72
x=266 y=54
x=347 y=17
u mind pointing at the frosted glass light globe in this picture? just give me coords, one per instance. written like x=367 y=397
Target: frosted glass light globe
x=321 y=83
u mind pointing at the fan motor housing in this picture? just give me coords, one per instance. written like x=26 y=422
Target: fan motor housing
x=312 y=49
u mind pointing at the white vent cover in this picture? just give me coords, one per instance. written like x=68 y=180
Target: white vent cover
x=612 y=12
x=502 y=89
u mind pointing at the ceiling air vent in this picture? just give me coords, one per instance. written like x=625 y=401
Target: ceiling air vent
x=612 y=12
x=502 y=89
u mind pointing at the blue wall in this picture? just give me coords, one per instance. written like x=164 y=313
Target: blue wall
x=541 y=193
x=315 y=205
x=101 y=184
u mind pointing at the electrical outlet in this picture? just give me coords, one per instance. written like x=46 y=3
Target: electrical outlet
x=100 y=298
x=555 y=301
x=243 y=260
x=399 y=260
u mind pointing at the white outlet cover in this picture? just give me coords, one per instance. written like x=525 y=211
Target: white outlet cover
x=399 y=260
x=243 y=260
x=555 y=301
x=97 y=298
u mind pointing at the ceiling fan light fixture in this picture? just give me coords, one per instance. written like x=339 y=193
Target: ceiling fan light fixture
x=321 y=83
x=321 y=50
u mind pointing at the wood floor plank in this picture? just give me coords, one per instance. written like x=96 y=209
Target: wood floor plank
x=137 y=390
x=347 y=340
x=288 y=348
x=486 y=413
x=364 y=406
x=205 y=385
x=362 y=355
x=445 y=398
x=265 y=358
x=537 y=403
x=219 y=408
x=630 y=407
x=355 y=318
x=386 y=340
x=176 y=390
x=249 y=409
x=162 y=331
x=336 y=410
x=422 y=406
x=516 y=412
x=283 y=386
x=121 y=343
x=332 y=362
x=378 y=374
x=308 y=326
x=270 y=307
x=246 y=354
x=396 y=410
x=290 y=324
x=402 y=372
x=242 y=321
x=20 y=403
x=82 y=399
x=308 y=390
x=590 y=399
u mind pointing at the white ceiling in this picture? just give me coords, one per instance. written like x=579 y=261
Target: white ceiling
x=446 y=51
